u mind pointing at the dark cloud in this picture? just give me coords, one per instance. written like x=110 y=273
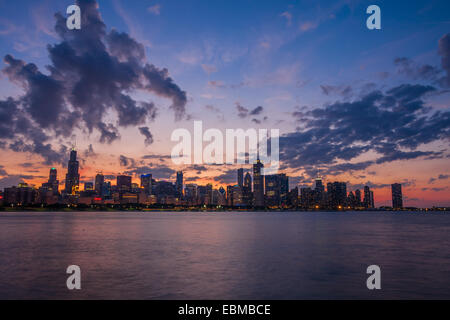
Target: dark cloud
x=242 y=111
x=409 y=68
x=227 y=177
x=159 y=172
x=258 y=110
x=92 y=72
x=198 y=168
x=126 y=162
x=89 y=152
x=344 y=91
x=156 y=156
x=145 y=131
x=10 y=181
x=392 y=124
x=440 y=177
x=435 y=189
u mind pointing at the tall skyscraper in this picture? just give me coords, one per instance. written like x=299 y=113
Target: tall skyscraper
x=124 y=183
x=179 y=184
x=258 y=184
x=319 y=192
x=367 y=201
x=240 y=177
x=247 y=189
x=99 y=182
x=146 y=183
x=357 y=198
x=276 y=186
x=337 y=194
x=397 y=197
x=72 y=176
x=53 y=182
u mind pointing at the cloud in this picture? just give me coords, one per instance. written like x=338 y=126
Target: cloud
x=126 y=162
x=92 y=74
x=308 y=25
x=344 y=91
x=10 y=181
x=256 y=111
x=392 y=125
x=243 y=112
x=147 y=134
x=209 y=68
x=444 y=51
x=407 y=67
x=440 y=177
x=159 y=172
x=288 y=16
x=155 y=9
x=228 y=177
x=89 y=152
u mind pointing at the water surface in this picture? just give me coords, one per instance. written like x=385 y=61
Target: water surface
x=251 y=255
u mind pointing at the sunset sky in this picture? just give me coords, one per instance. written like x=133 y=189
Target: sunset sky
x=368 y=107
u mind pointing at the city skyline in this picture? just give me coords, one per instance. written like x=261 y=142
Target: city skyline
x=371 y=111
x=252 y=191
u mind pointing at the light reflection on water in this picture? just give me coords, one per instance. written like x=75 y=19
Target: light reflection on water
x=224 y=255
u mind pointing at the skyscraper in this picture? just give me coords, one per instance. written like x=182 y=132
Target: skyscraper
x=72 y=176
x=258 y=184
x=53 y=182
x=337 y=194
x=367 y=198
x=247 y=189
x=146 y=183
x=397 y=197
x=99 y=182
x=276 y=186
x=179 y=184
x=240 y=177
x=357 y=198
x=124 y=183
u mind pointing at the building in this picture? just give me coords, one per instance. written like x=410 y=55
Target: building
x=230 y=196
x=124 y=183
x=337 y=194
x=88 y=186
x=222 y=197
x=276 y=186
x=367 y=202
x=358 y=198
x=190 y=194
x=397 y=198
x=240 y=177
x=179 y=184
x=247 y=190
x=99 y=183
x=307 y=198
x=22 y=195
x=72 y=176
x=258 y=184
x=146 y=183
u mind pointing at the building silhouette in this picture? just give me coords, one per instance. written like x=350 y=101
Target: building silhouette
x=240 y=177
x=258 y=184
x=397 y=198
x=99 y=184
x=179 y=184
x=72 y=176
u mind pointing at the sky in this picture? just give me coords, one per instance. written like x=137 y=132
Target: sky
x=368 y=107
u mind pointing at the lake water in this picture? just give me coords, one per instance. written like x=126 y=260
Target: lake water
x=133 y=255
